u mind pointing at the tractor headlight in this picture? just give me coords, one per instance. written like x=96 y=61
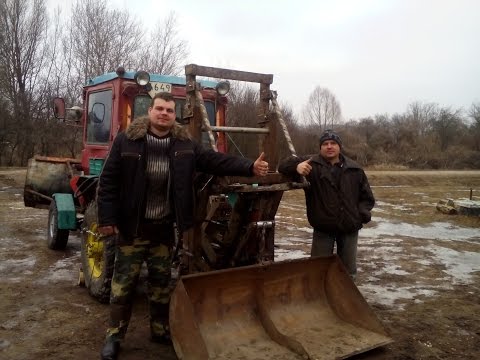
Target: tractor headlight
x=142 y=77
x=222 y=88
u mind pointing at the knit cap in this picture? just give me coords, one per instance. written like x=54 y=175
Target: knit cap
x=330 y=135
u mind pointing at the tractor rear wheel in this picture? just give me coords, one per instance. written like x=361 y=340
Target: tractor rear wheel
x=98 y=257
x=56 y=238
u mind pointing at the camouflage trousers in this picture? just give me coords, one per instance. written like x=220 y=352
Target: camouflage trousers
x=128 y=263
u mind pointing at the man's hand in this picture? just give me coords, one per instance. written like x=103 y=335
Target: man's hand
x=260 y=166
x=304 y=167
x=108 y=230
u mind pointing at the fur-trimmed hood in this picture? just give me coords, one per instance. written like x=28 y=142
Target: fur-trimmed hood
x=140 y=126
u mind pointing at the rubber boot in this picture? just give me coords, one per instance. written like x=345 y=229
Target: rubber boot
x=110 y=349
x=119 y=319
x=159 y=328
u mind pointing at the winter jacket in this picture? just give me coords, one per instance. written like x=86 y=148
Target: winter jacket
x=122 y=185
x=333 y=206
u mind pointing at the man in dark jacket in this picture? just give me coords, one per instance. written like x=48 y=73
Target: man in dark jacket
x=146 y=186
x=339 y=198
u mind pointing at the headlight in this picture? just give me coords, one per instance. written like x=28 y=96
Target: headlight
x=142 y=77
x=223 y=87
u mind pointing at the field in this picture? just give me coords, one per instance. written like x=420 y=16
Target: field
x=419 y=270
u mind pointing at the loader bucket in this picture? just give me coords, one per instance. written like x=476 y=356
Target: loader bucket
x=45 y=177
x=302 y=309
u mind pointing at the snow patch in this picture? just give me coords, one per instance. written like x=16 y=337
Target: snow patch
x=391 y=296
x=284 y=254
x=435 y=230
x=63 y=270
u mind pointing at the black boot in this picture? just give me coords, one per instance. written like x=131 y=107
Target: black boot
x=159 y=329
x=119 y=319
x=110 y=350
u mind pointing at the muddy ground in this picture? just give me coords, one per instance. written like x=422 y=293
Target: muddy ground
x=418 y=269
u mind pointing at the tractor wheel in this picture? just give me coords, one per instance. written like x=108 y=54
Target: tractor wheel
x=56 y=238
x=98 y=256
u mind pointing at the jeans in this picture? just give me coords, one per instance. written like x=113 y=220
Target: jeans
x=323 y=243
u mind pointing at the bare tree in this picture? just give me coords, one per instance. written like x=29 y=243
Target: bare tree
x=242 y=111
x=101 y=39
x=474 y=113
x=165 y=52
x=322 y=108
x=421 y=116
x=23 y=28
x=447 y=126
x=367 y=128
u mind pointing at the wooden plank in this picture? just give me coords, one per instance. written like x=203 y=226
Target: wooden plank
x=228 y=74
x=270 y=178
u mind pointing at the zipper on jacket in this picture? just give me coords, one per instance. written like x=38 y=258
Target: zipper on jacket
x=183 y=152
x=125 y=154
x=143 y=197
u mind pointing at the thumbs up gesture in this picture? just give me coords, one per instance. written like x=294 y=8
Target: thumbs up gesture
x=260 y=166
x=304 y=167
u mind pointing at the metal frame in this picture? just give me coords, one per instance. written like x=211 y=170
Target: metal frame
x=245 y=235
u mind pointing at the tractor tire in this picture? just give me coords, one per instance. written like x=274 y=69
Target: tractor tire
x=98 y=257
x=56 y=238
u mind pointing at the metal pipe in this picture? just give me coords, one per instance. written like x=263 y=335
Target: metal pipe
x=282 y=123
x=39 y=194
x=285 y=131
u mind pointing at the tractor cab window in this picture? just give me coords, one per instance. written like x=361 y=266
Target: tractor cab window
x=99 y=117
x=141 y=105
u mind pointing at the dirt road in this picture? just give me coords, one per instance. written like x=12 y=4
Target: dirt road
x=418 y=269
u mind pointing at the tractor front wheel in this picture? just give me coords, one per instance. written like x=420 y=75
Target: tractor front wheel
x=56 y=238
x=98 y=257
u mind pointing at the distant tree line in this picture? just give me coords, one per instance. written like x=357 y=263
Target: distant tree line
x=43 y=56
x=425 y=136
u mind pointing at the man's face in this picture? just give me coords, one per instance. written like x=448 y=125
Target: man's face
x=162 y=114
x=330 y=150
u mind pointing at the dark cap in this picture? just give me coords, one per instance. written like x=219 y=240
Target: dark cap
x=330 y=135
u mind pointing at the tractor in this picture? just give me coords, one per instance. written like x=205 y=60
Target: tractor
x=230 y=299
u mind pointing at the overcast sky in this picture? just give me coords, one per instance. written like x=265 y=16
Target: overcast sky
x=376 y=56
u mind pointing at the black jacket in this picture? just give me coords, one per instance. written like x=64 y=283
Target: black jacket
x=121 y=192
x=334 y=206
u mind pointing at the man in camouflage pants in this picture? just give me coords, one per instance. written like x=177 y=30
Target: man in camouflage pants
x=146 y=186
x=130 y=259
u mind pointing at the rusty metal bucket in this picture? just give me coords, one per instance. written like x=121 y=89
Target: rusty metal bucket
x=45 y=177
x=302 y=309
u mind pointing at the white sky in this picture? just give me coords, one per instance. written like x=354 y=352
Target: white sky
x=376 y=56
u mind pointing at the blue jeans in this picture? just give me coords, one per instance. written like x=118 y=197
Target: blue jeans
x=323 y=243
